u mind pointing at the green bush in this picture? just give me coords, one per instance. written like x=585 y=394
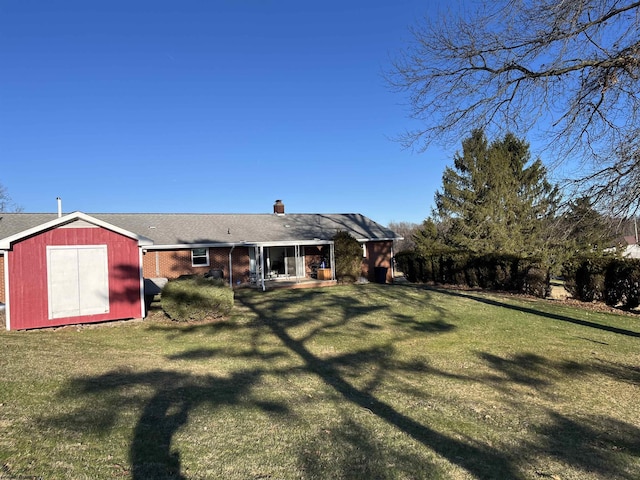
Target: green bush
x=622 y=283
x=584 y=277
x=534 y=278
x=492 y=272
x=410 y=265
x=196 y=299
x=348 y=257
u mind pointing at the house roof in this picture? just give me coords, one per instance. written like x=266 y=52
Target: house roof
x=33 y=229
x=172 y=229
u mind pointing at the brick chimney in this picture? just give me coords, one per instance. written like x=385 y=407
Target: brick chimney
x=278 y=207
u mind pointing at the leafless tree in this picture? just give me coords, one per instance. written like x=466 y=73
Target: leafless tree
x=567 y=71
x=6 y=204
x=405 y=230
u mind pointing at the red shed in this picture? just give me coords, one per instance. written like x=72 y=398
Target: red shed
x=74 y=269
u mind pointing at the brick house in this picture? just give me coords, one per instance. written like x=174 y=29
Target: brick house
x=243 y=249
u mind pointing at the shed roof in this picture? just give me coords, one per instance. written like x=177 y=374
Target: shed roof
x=173 y=229
x=19 y=226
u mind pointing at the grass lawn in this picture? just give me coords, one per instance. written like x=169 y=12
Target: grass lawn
x=366 y=381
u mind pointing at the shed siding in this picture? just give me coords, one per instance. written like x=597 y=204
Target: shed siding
x=2 y=286
x=28 y=276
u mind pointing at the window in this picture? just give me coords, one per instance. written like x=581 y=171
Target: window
x=200 y=257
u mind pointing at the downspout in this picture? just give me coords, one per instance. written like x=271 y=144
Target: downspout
x=262 y=268
x=231 y=267
x=143 y=303
x=392 y=262
x=332 y=259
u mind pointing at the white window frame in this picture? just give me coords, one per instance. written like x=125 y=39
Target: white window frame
x=193 y=257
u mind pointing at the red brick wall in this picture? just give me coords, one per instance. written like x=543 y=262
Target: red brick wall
x=173 y=263
x=378 y=255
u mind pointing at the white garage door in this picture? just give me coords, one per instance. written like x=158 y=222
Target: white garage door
x=78 y=280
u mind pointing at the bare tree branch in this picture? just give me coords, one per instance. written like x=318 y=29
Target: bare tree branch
x=6 y=204
x=568 y=67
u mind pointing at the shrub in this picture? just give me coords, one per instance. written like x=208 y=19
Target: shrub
x=196 y=298
x=584 y=277
x=533 y=278
x=409 y=264
x=494 y=271
x=622 y=283
x=348 y=257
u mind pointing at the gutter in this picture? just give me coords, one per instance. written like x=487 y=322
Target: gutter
x=390 y=239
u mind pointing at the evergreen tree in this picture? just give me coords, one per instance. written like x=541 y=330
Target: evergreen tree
x=429 y=239
x=586 y=229
x=495 y=199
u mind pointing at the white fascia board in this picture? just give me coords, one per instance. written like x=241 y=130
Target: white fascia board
x=291 y=243
x=183 y=246
x=5 y=243
x=189 y=246
x=361 y=240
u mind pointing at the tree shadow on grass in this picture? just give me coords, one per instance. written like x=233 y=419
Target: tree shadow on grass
x=528 y=369
x=166 y=398
x=481 y=461
x=347 y=449
x=591 y=444
x=541 y=313
x=174 y=395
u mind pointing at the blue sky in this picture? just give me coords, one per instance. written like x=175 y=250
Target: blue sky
x=210 y=106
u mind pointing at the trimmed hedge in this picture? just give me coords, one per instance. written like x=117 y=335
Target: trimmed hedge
x=196 y=298
x=584 y=277
x=622 y=283
x=614 y=280
x=493 y=272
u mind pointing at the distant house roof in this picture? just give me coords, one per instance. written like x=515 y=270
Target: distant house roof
x=171 y=229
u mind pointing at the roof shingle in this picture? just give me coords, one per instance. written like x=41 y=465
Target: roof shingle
x=184 y=229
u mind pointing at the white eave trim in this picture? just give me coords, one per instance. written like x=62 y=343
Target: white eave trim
x=5 y=243
x=286 y=243
x=291 y=243
x=183 y=246
x=379 y=239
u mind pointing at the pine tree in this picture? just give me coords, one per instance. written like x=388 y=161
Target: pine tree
x=586 y=230
x=495 y=199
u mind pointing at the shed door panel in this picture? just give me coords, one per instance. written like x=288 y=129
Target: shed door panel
x=78 y=281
